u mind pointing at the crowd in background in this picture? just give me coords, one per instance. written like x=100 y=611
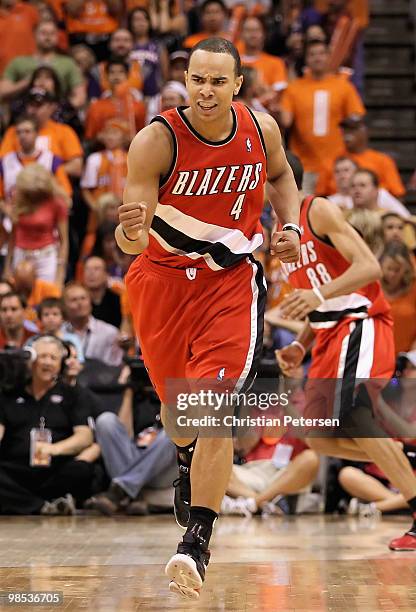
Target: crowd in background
x=78 y=79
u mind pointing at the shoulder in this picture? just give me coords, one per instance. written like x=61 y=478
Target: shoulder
x=152 y=144
x=325 y=215
x=269 y=129
x=102 y=327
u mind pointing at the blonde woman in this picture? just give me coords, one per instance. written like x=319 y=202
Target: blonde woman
x=368 y=224
x=40 y=224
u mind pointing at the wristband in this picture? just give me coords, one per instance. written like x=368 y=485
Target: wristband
x=300 y=345
x=294 y=228
x=126 y=237
x=318 y=295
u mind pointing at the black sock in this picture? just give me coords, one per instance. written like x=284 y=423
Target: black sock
x=412 y=505
x=410 y=452
x=185 y=454
x=200 y=525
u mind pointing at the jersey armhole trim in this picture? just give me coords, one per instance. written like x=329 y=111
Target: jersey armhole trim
x=325 y=239
x=164 y=179
x=258 y=128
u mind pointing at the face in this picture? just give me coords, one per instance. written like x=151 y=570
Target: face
x=5 y=288
x=48 y=362
x=170 y=99
x=95 y=274
x=84 y=58
x=177 y=71
x=77 y=303
x=393 y=271
x=354 y=136
x=47 y=36
x=140 y=24
x=72 y=365
x=363 y=191
x=11 y=313
x=116 y=75
x=41 y=111
x=51 y=319
x=295 y=44
x=317 y=58
x=26 y=135
x=393 y=228
x=343 y=172
x=213 y=18
x=211 y=84
x=252 y=34
x=45 y=81
x=112 y=138
x=315 y=32
x=121 y=43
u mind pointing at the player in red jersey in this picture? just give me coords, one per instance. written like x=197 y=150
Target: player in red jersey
x=194 y=195
x=337 y=288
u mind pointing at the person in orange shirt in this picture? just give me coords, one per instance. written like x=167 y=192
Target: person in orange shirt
x=271 y=70
x=355 y=133
x=313 y=107
x=91 y=22
x=120 y=102
x=214 y=15
x=33 y=289
x=121 y=45
x=56 y=137
x=17 y=24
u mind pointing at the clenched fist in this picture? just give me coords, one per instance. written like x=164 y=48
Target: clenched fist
x=286 y=245
x=132 y=217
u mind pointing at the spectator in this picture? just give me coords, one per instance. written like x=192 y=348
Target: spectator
x=120 y=102
x=399 y=286
x=16 y=77
x=31 y=288
x=6 y=286
x=99 y=339
x=173 y=94
x=178 y=63
x=344 y=170
x=149 y=52
x=51 y=319
x=25 y=488
x=91 y=22
x=313 y=106
x=40 y=215
x=60 y=139
x=364 y=189
x=368 y=225
x=393 y=227
x=355 y=135
x=213 y=23
x=271 y=70
x=249 y=89
x=13 y=332
x=167 y=19
x=87 y=63
x=106 y=247
x=294 y=59
x=121 y=46
x=12 y=163
x=105 y=302
x=17 y=22
x=107 y=208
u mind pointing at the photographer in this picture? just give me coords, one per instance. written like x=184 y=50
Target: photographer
x=135 y=451
x=40 y=477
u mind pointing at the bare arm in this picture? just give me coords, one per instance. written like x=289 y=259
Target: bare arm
x=149 y=158
x=78 y=96
x=63 y=251
x=80 y=439
x=73 y=167
x=11 y=89
x=125 y=413
x=2 y=429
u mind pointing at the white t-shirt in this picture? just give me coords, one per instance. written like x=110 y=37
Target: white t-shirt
x=385 y=200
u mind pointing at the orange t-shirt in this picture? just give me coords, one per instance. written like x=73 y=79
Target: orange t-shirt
x=16 y=32
x=403 y=310
x=41 y=289
x=317 y=107
x=385 y=168
x=94 y=19
x=126 y=108
x=56 y=137
x=272 y=70
x=194 y=39
x=134 y=80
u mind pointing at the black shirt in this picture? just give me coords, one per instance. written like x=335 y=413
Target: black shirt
x=109 y=309
x=63 y=408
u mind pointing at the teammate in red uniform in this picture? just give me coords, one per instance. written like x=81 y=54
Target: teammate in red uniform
x=194 y=195
x=337 y=288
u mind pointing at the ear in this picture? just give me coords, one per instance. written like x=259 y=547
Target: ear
x=238 y=83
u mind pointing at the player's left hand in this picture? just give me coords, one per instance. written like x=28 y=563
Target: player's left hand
x=299 y=304
x=286 y=245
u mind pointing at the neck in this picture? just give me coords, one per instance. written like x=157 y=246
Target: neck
x=215 y=131
x=318 y=76
x=15 y=335
x=45 y=54
x=28 y=152
x=80 y=324
x=97 y=294
x=39 y=388
x=345 y=191
x=142 y=40
x=251 y=50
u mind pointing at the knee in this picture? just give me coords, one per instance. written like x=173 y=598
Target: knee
x=318 y=445
x=346 y=476
x=105 y=423
x=309 y=460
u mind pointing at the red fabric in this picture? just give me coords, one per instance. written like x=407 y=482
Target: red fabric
x=26 y=335
x=38 y=228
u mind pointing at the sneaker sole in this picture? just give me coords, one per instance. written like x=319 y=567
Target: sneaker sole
x=181 y=525
x=183 y=591
x=182 y=570
x=402 y=549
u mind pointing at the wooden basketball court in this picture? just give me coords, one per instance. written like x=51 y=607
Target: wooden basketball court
x=310 y=563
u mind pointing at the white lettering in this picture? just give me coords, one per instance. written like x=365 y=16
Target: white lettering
x=221 y=170
x=230 y=179
x=181 y=183
x=203 y=188
x=257 y=171
x=195 y=173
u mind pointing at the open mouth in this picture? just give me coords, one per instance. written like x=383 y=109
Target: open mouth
x=206 y=108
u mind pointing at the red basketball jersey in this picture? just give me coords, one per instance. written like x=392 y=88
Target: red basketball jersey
x=319 y=264
x=211 y=201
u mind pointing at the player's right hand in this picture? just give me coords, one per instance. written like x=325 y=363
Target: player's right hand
x=289 y=359
x=132 y=217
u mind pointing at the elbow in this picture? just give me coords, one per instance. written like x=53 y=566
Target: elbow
x=373 y=271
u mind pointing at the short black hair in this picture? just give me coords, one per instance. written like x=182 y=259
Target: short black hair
x=117 y=61
x=50 y=302
x=314 y=43
x=374 y=178
x=23 y=118
x=205 y=4
x=219 y=45
x=14 y=294
x=297 y=168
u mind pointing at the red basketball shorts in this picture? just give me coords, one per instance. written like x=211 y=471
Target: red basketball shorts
x=353 y=354
x=198 y=324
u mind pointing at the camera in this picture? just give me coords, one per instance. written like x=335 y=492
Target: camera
x=139 y=379
x=14 y=369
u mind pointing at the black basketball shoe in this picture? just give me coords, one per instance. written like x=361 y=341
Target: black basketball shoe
x=182 y=499
x=186 y=569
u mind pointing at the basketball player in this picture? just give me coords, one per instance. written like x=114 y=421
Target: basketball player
x=192 y=205
x=348 y=318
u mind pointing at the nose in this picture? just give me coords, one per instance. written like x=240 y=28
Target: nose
x=206 y=90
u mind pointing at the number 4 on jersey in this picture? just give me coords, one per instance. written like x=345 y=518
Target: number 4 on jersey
x=238 y=207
